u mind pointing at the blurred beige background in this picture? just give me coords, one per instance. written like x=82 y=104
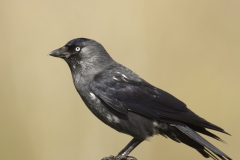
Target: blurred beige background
x=188 y=48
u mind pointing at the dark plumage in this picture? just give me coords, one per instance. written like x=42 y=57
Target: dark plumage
x=124 y=101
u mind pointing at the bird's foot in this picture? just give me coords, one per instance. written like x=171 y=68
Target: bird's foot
x=119 y=157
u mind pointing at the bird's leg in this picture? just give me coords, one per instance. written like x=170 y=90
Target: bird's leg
x=129 y=147
x=123 y=154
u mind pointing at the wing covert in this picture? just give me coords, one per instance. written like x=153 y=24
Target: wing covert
x=122 y=94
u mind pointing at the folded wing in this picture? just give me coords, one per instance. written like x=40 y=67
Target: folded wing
x=124 y=95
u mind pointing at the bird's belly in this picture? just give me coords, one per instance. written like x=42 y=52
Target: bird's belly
x=132 y=124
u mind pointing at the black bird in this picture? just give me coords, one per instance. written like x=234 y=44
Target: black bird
x=127 y=103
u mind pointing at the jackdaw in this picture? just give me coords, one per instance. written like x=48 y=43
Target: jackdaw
x=127 y=103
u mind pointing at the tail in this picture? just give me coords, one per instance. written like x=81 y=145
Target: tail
x=188 y=136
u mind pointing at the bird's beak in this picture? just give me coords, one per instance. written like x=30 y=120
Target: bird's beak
x=60 y=52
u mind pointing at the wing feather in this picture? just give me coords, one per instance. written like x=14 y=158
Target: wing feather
x=124 y=94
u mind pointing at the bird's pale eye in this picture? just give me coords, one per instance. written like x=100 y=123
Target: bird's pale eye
x=77 y=49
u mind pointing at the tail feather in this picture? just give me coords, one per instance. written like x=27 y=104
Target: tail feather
x=204 y=153
x=206 y=132
x=194 y=140
x=210 y=154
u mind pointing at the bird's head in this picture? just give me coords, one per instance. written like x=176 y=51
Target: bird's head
x=84 y=54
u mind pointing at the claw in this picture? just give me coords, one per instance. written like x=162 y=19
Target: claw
x=131 y=158
x=108 y=158
x=119 y=157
